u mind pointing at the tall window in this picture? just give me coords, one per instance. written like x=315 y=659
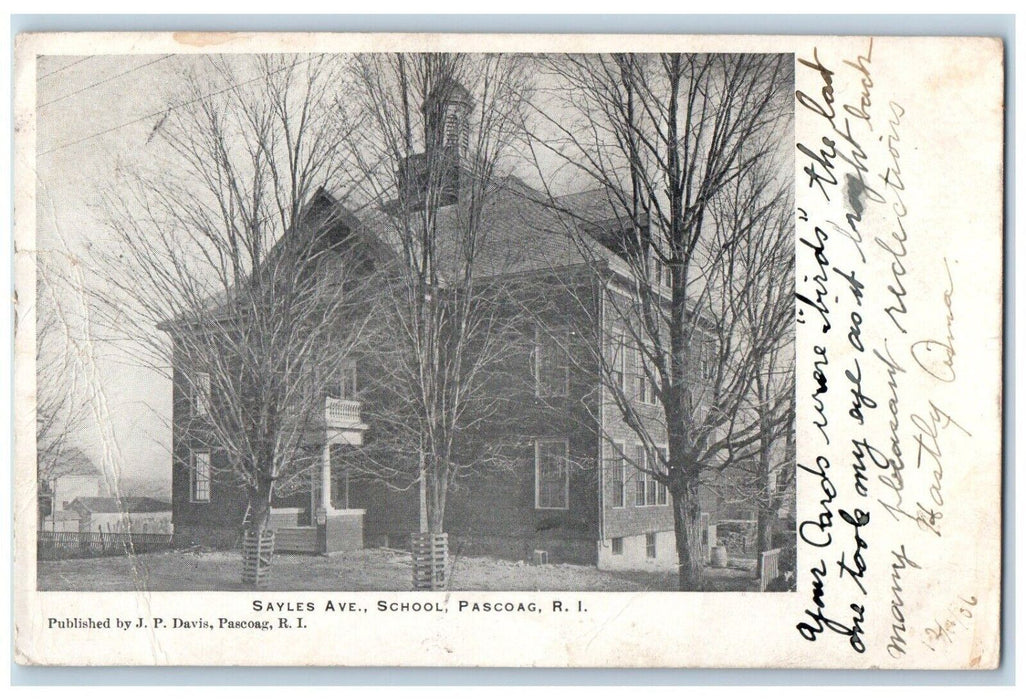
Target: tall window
x=661 y=491
x=780 y=481
x=345 y=386
x=650 y=545
x=616 y=467
x=201 y=394
x=646 y=492
x=630 y=369
x=641 y=478
x=644 y=389
x=706 y=352
x=652 y=387
x=641 y=377
x=618 y=360
x=552 y=362
x=660 y=271
x=551 y=474
x=199 y=477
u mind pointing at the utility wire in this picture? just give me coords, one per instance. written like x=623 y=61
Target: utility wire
x=172 y=108
x=64 y=67
x=105 y=80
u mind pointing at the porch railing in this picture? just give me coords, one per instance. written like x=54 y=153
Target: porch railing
x=340 y=413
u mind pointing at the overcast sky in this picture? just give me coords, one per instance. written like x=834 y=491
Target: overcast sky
x=95 y=115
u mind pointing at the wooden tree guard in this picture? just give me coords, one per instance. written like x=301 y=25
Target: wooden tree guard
x=257 y=549
x=770 y=567
x=430 y=560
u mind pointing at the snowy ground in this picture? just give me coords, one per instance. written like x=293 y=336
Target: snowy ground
x=365 y=570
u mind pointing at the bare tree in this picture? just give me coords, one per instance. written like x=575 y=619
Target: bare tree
x=667 y=139
x=437 y=131
x=61 y=401
x=235 y=243
x=760 y=224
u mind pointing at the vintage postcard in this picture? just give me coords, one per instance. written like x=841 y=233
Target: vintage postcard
x=485 y=350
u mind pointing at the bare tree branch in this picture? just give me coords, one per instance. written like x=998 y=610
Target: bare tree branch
x=681 y=149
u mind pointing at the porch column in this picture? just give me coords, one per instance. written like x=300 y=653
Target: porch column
x=326 y=477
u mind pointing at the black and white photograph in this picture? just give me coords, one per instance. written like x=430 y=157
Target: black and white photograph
x=508 y=350
x=416 y=321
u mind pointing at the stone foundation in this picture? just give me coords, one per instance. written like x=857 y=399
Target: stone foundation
x=634 y=554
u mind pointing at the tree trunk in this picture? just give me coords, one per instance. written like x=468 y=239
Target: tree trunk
x=430 y=551
x=764 y=535
x=436 y=498
x=765 y=499
x=258 y=544
x=260 y=505
x=686 y=524
x=422 y=496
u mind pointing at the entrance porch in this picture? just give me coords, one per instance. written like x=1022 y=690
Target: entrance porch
x=327 y=524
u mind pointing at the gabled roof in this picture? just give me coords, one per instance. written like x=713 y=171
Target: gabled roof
x=521 y=230
x=327 y=214
x=127 y=504
x=591 y=208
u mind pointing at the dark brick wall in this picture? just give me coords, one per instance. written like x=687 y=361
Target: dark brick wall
x=225 y=510
x=492 y=516
x=500 y=509
x=632 y=520
x=227 y=502
x=391 y=515
x=492 y=510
